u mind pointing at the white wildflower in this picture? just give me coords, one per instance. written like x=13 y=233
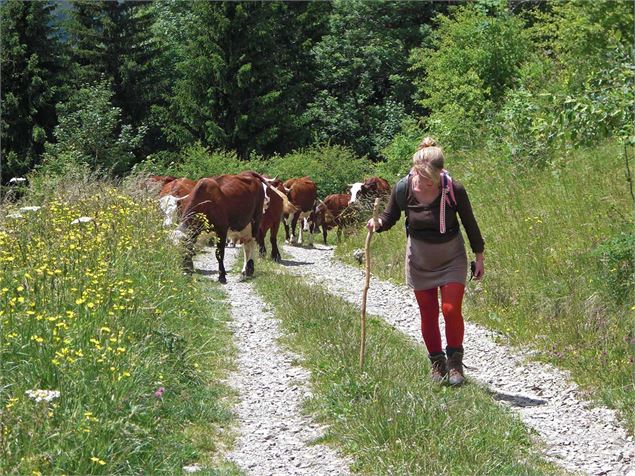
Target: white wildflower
x=15 y=215
x=17 y=180
x=82 y=220
x=193 y=468
x=43 y=395
x=30 y=209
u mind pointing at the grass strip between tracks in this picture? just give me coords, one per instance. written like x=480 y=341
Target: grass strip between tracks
x=390 y=418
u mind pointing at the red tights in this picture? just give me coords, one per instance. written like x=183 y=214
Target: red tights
x=451 y=300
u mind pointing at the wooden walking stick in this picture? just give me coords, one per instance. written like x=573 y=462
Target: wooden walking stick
x=362 y=347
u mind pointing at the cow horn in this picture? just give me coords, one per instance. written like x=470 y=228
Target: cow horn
x=286 y=189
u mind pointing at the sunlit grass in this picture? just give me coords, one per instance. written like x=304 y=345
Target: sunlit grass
x=99 y=311
x=546 y=285
x=390 y=418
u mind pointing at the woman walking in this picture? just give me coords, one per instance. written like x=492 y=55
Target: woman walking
x=435 y=252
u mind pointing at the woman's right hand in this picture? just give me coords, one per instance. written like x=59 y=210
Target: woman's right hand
x=371 y=224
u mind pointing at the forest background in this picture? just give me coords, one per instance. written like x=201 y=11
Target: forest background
x=531 y=100
x=115 y=84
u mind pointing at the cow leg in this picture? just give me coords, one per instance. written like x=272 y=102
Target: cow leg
x=301 y=231
x=339 y=234
x=285 y=221
x=294 y=223
x=273 y=238
x=324 y=233
x=220 y=257
x=248 y=267
x=310 y=237
x=261 y=243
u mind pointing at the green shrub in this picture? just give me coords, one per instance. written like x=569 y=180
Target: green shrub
x=537 y=116
x=576 y=88
x=472 y=60
x=90 y=130
x=332 y=168
x=398 y=154
x=198 y=162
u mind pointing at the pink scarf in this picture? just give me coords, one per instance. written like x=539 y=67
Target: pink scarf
x=447 y=196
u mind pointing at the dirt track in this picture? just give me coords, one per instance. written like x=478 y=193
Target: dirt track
x=275 y=437
x=578 y=436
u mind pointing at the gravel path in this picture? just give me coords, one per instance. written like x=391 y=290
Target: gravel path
x=578 y=436
x=274 y=437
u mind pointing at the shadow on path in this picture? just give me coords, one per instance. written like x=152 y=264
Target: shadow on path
x=289 y=262
x=516 y=400
x=205 y=272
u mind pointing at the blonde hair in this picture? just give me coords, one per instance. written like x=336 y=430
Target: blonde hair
x=428 y=160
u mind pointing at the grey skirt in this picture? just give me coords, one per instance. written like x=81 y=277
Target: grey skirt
x=430 y=265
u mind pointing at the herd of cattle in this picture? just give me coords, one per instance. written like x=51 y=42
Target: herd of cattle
x=242 y=208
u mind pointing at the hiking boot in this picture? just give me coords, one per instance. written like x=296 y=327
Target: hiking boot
x=455 y=367
x=438 y=368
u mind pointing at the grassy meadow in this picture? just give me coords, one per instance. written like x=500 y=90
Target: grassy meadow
x=558 y=262
x=389 y=417
x=110 y=358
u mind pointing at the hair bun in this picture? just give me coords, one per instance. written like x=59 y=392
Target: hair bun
x=427 y=142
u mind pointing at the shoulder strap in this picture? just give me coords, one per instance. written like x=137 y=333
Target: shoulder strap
x=448 y=186
x=401 y=192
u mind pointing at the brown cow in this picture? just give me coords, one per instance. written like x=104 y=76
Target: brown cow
x=278 y=206
x=330 y=213
x=302 y=193
x=154 y=183
x=172 y=197
x=231 y=205
x=371 y=188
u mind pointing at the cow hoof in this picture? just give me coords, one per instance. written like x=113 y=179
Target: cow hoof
x=276 y=258
x=222 y=279
x=249 y=269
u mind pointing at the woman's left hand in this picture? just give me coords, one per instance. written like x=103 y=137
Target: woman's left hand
x=479 y=270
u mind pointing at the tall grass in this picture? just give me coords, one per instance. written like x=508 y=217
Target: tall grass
x=390 y=417
x=99 y=311
x=556 y=279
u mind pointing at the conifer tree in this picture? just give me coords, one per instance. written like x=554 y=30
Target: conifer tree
x=242 y=82
x=113 y=41
x=30 y=64
x=365 y=91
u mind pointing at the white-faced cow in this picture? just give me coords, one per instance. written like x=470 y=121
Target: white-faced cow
x=302 y=193
x=173 y=198
x=330 y=213
x=369 y=189
x=278 y=206
x=231 y=205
